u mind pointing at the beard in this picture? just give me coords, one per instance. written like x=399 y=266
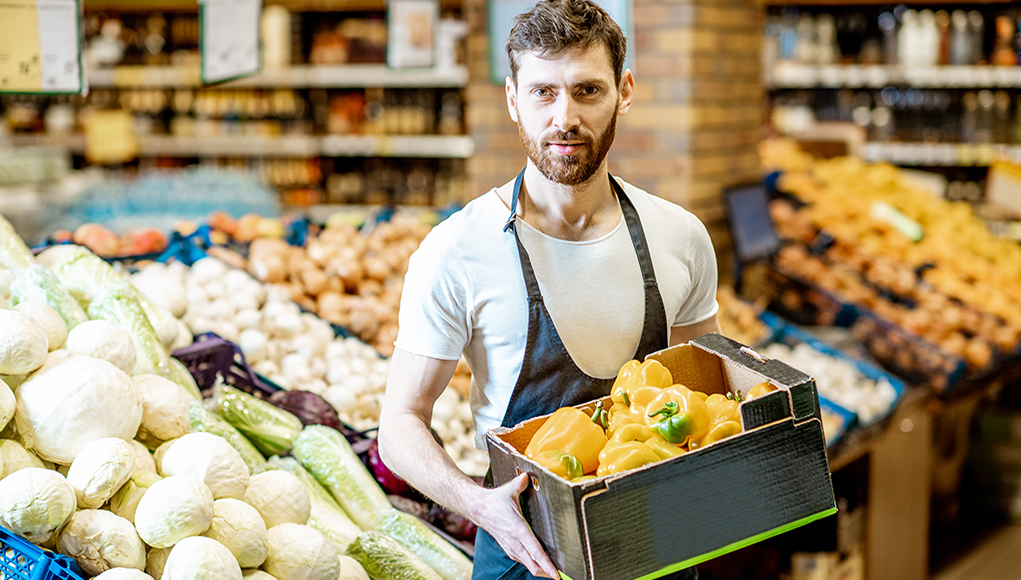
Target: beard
x=569 y=169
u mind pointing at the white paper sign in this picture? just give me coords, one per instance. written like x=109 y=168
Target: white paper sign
x=230 y=39
x=40 y=46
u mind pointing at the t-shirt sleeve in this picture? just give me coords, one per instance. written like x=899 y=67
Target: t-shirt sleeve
x=701 y=302
x=433 y=317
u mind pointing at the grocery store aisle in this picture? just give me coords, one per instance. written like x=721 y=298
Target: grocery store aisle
x=997 y=558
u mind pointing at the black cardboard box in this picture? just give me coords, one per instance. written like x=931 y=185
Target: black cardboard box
x=771 y=478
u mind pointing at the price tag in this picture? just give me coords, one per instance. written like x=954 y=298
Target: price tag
x=229 y=39
x=109 y=137
x=41 y=47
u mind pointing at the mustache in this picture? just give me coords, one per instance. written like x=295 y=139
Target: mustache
x=565 y=136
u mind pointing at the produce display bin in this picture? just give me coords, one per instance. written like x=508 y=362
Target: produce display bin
x=912 y=357
x=646 y=523
x=210 y=355
x=791 y=335
x=23 y=560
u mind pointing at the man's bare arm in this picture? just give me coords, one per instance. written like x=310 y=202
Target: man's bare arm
x=408 y=449
x=683 y=334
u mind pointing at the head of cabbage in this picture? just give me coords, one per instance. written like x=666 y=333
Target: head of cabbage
x=78 y=399
x=35 y=503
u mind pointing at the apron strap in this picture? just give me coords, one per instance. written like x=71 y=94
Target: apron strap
x=637 y=233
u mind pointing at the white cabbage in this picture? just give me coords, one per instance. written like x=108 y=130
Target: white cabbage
x=16 y=457
x=123 y=574
x=155 y=562
x=104 y=340
x=298 y=552
x=7 y=405
x=257 y=575
x=49 y=320
x=143 y=459
x=99 y=540
x=67 y=405
x=125 y=501
x=99 y=470
x=35 y=503
x=240 y=528
x=23 y=343
x=280 y=497
x=173 y=509
x=164 y=409
x=201 y=558
x=350 y=569
x=208 y=458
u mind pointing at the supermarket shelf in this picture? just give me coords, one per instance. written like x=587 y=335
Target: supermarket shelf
x=940 y=154
x=311 y=76
x=791 y=75
x=424 y=146
x=294 y=5
x=855 y=3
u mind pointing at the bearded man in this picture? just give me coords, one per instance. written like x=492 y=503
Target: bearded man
x=547 y=284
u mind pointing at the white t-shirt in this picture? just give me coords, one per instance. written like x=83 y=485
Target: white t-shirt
x=464 y=292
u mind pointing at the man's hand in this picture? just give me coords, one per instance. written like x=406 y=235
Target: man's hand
x=501 y=517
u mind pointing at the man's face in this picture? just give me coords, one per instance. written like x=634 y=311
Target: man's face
x=566 y=108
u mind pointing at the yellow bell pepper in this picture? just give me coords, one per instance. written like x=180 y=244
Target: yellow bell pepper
x=634 y=375
x=663 y=448
x=569 y=431
x=562 y=464
x=618 y=457
x=718 y=432
x=621 y=414
x=723 y=409
x=759 y=390
x=678 y=414
x=631 y=432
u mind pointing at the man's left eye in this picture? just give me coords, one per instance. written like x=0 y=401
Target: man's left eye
x=590 y=90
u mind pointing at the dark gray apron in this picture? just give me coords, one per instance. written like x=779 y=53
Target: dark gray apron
x=550 y=379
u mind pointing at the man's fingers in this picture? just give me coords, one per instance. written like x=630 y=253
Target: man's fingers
x=538 y=555
x=520 y=483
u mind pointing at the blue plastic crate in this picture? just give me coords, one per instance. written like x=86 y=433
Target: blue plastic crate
x=791 y=334
x=23 y=560
x=849 y=420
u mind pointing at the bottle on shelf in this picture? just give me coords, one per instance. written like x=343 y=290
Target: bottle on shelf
x=1003 y=49
x=960 y=45
x=890 y=28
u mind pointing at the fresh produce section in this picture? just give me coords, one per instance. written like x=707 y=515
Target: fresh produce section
x=933 y=285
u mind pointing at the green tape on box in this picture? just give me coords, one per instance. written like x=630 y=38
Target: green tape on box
x=732 y=547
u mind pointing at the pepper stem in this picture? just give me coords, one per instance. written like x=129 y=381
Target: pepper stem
x=599 y=416
x=667 y=410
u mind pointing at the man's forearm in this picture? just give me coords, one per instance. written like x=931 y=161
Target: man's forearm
x=407 y=447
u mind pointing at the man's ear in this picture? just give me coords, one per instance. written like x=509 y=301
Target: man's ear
x=512 y=99
x=627 y=91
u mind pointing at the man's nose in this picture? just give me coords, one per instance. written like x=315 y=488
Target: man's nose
x=565 y=113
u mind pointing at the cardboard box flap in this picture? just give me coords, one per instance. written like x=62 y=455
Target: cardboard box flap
x=733 y=491
x=741 y=362
x=692 y=367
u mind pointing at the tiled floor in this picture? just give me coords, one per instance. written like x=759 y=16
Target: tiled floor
x=997 y=558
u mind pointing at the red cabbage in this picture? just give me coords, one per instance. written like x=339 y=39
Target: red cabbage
x=310 y=408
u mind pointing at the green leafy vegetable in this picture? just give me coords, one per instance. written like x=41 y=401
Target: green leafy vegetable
x=327 y=455
x=118 y=306
x=13 y=251
x=203 y=421
x=385 y=559
x=270 y=429
x=432 y=548
x=37 y=284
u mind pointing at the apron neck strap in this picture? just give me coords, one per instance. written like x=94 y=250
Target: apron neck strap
x=514 y=201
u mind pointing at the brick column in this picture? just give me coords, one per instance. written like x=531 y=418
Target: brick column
x=694 y=128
